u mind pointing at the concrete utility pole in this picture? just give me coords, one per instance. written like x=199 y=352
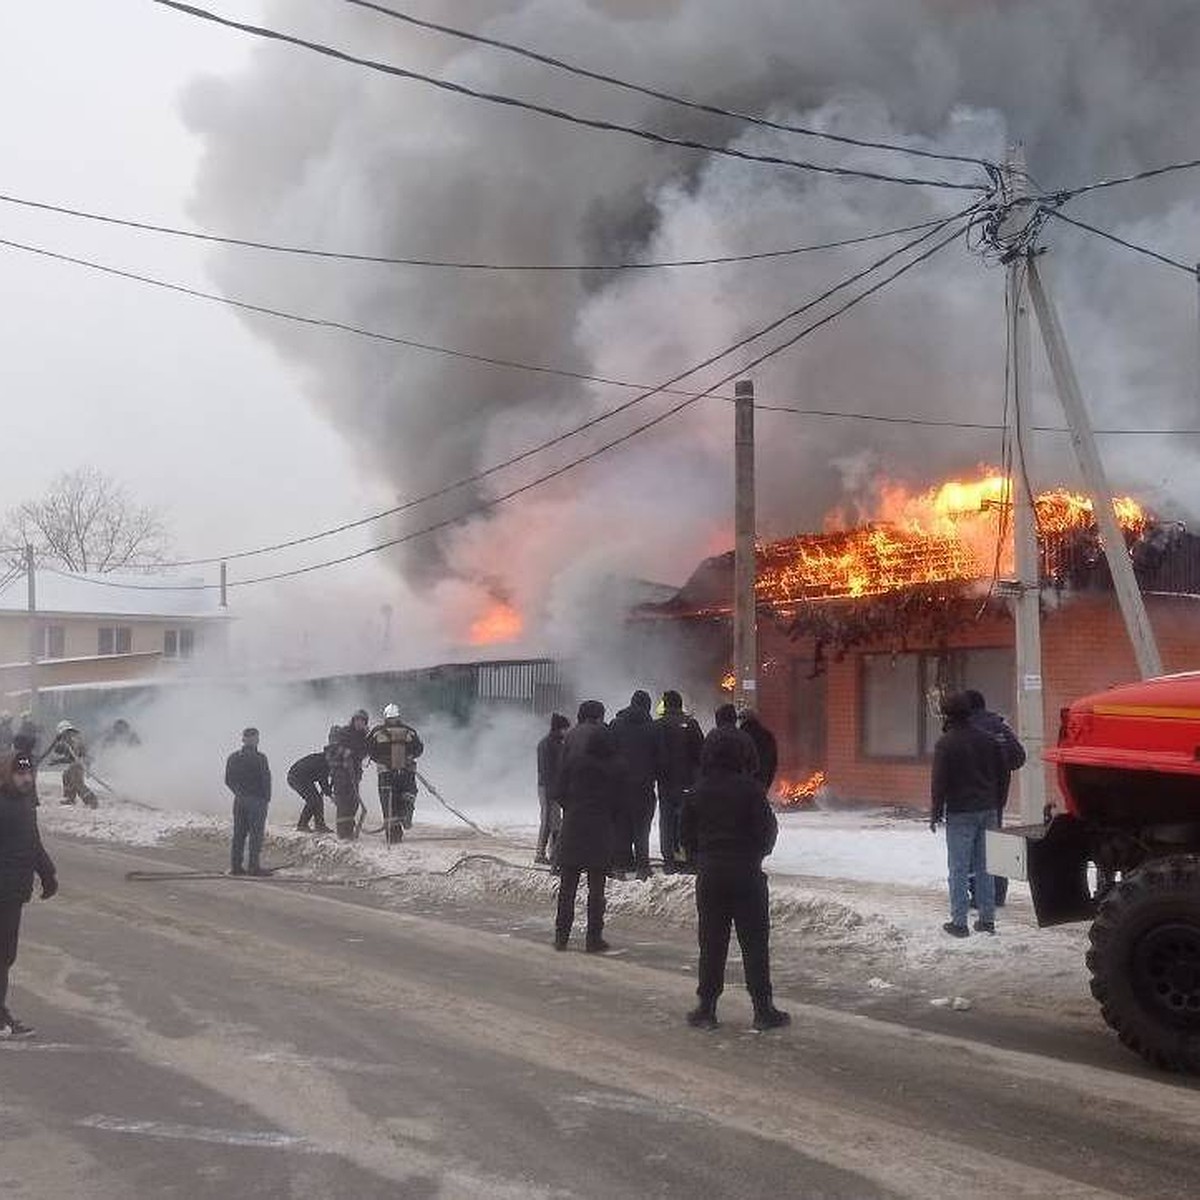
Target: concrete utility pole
x=1027 y=599
x=1129 y=595
x=34 y=630
x=745 y=609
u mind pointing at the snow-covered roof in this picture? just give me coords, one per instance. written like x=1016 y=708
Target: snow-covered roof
x=113 y=595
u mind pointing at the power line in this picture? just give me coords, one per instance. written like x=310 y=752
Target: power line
x=1120 y=241
x=646 y=394
x=487 y=505
x=455 y=265
x=943 y=423
x=556 y=113
x=1065 y=194
x=655 y=94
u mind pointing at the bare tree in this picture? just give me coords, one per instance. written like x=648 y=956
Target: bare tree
x=87 y=522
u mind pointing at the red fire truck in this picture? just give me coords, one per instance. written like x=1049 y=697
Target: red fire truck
x=1125 y=854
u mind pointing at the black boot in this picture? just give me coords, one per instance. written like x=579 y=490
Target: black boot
x=767 y=1016
x=704 y=1015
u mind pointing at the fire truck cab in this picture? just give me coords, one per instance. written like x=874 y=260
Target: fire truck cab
x=1125 y=854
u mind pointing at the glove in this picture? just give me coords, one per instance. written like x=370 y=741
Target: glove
x=49 y=887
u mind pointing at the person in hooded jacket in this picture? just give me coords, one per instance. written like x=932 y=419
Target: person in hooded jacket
x=637 y=746
x=589 y=791
x=765 y=746
x=1013 y=755
x=726 y=731
x=729 y=828
x=968 y=768
x=22 y=856
x=679 y=744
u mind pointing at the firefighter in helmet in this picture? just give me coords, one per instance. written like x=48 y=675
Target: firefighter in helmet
x=69 y=752
x=394 y=748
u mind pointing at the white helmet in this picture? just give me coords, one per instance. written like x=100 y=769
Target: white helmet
x=391 y=712
x=63 y=727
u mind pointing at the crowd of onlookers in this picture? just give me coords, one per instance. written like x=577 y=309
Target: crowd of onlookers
x=599 y=785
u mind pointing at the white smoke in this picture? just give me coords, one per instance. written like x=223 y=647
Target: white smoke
x=304 y=150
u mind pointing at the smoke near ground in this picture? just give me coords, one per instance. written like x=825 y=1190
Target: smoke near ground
x=300 y=149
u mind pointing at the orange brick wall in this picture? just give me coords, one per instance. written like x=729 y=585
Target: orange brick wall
x=1084 y=649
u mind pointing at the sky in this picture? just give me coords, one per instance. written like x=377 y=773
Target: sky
x=175 y=397
x=247 y=431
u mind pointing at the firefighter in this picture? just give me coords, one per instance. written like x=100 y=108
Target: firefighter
x=68 y=751
x=394 y=747
x=308 y=777
x=344 y=773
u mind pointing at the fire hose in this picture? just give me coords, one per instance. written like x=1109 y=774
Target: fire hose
x=272 y=874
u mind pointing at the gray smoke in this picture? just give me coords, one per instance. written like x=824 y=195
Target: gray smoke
x=305 y=150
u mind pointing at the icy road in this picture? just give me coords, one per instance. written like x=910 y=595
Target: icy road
x=221 y=1038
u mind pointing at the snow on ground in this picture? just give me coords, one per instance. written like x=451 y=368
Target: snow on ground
x=858 y=898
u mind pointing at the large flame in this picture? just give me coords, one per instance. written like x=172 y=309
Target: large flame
x=960 y=530
x=501 y=623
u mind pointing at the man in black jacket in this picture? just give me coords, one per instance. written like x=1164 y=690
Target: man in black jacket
x=549 y=763
x=765 y=745
x=729 y=828
x=21 y=857
x=248 y=777
x=726 y=730
x=965 y=787
x=308 y=777
x=637 y=747
x=679 y=743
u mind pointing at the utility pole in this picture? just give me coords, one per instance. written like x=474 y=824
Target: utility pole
x=1027 y=597
x=1129 y=595
x=745 y=607
x=34 y=630
x=224 y=585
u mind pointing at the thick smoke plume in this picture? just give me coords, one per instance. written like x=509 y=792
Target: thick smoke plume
x=304 y=150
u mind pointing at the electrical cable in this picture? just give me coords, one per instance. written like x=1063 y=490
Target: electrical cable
x=496 y=501
x=344 y=256
x=1065 y=194
x=556 y=113
x=1120 y=241
x=646 y=391
x=655 y=94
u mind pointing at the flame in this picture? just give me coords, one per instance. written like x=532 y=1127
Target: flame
x=728 y=681
x=948 y=533
x=501 y=623
x=801 y=793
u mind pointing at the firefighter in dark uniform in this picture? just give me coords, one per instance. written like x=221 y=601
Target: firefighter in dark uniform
x=308 y=777
x=344 y=774
x=394 y=747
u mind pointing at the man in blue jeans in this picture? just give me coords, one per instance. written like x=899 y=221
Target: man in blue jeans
x=968 y=773
x=248 y=777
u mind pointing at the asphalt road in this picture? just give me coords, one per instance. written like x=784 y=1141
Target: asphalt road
x=255 y=1039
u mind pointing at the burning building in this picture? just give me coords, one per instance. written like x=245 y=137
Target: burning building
x=862 y=629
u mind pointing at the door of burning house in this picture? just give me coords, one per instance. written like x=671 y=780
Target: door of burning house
x=809 y=742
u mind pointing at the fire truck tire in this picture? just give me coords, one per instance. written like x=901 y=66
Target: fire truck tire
x=1145 y=961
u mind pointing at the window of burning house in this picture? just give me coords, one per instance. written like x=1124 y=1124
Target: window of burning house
x=901 y=695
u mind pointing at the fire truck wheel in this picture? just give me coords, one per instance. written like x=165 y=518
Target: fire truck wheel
x=1145 y=961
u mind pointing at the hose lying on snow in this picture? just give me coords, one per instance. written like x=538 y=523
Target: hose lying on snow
x=271 y=874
